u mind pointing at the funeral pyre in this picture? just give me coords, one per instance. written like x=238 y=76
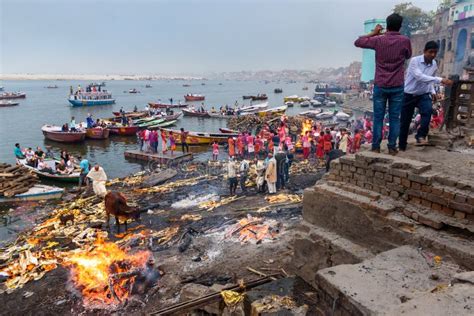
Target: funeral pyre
x=108 y=269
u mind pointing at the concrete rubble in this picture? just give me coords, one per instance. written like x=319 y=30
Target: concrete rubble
x=388 y=235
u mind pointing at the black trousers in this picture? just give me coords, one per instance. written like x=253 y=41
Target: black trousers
x=425 y=107
x=183 y=146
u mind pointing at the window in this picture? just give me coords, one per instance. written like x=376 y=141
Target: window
x=450 y=46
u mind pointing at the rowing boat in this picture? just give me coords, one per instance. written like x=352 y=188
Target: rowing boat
x=70 y=178
x=274 y=111
x=12 y=95
x=189 y=112
x=161 y=125
x=194 y=97
x=8 y=103
x=97 y=133
x=151 y=123
x=254 y=108
x=36 y=193
x=311 y=113
x=56 y=134
x=201 y=138
x=158 y=105
x=123 y=130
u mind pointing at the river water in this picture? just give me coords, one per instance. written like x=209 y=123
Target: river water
x=22 y=124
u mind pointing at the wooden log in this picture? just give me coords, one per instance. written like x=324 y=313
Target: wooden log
x=6 y=174
x=16 y=191
x=11 y=169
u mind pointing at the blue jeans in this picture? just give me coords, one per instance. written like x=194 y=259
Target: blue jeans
x=394 y=96
x=425 y=106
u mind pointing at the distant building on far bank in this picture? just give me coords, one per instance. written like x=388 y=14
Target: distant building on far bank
x=368 y=55
x=453 y=30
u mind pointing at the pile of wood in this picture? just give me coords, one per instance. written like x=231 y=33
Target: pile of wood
x=15 y=179
x=253 y=123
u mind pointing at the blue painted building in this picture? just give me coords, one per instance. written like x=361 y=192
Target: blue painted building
x=368 y=55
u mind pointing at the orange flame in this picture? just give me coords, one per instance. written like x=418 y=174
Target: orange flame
x=306 y=126
x=94 y=272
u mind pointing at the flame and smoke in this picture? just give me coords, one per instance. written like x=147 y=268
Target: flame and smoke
x=104 y=274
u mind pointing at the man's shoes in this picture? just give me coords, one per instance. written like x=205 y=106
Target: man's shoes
x=422 y=141
x=392 y=151
x=402 y=148
x=375 y=150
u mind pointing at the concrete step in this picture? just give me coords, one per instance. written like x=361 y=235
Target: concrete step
x=316 y=248
x=400 y=280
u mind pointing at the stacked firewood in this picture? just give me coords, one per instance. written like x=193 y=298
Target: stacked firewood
x=15 y=179
x=253 y=123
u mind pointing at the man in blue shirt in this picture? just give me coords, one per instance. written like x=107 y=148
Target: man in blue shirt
x=84 y=165
x=420 y=93
x=18 y=153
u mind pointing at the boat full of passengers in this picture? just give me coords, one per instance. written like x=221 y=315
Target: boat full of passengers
x=91 y=95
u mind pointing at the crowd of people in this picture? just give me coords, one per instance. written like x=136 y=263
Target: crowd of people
x=149 y=141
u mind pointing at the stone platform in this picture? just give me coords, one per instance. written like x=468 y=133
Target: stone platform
x=366 y=208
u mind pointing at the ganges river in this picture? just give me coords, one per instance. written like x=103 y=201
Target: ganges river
x=22 y=124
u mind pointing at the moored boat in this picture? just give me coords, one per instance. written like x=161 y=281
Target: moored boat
x=133 y=91
x=246 y=97
x=148 y=86
x=274 y=111
x=259 y=97
x=151 y=123
x=71 y=177
x=254 y=108
x=194 y=97
x=52 y=87
x=315 y=103
x=163 y=124
x=228 y=131
x=311 y=113
x=305 y=104
x=118 y=129
x=341 y=116
x=131 y=114
x=278 y=90
x=36 y=193
x=201 y=138
x=289 y=104
x=159 y=105
x=292 y=98
x=56 y=134
x=97 y=133
x=189 y=112
x=324 y=115
x=4 y=103
x=12 y=95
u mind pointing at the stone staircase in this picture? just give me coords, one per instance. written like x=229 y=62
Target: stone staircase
x=370 y=205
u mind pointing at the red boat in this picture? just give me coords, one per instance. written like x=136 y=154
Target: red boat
x=97 y=133
x=228 y=131
x=12 y=95
x=55 y=133
x=194 y=97
x=165 y=105
x=123 y=130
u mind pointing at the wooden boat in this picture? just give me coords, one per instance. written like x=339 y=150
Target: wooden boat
x=132 y=114
x=289 y=104
x=292 y=98
x=348 y=111
x=305 y=88
x=151 y=123
x=341 y=116
x=71 y=178
x=278 y=90
x=305 y=104
x=97 y=133
x=201 y=138
x=158 y=105
x=4 y=103
x=311 y=113
x=324 y=115
x=164 y=124
x=221 y=116
x=148 y=86
x=91 y=98
x=228 y=131
x=55 y=133
x=259 y=97
x=189 y=112
x=274 y=111
x=254 y=108
x=36 y=193
x=52 y=87
x=246 y=97
x=121 y=130
x=194 y=97
x=12 y=95
x=133 y=91
x=186 y=85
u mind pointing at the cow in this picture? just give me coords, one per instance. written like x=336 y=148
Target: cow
x=116 y=205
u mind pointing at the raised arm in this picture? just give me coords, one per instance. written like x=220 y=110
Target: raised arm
x=369 y=40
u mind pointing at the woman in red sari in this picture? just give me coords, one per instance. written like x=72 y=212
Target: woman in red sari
x=230 y=141
x=320 y=146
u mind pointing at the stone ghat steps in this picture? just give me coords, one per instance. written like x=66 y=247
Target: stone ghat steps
x=377 y=223
x=397 y=282
x=408 y=181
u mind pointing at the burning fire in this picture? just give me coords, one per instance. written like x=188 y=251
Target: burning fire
x=254 y=229
x=306 y=126
x=105 y=274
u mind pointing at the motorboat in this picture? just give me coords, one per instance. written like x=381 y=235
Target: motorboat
x=201 y=138
x=194 y=97
x=55 y=133
x=192 y=112
x=278 y=90
x=289 y=104
x=342 y=116
x=315 y=103
x=311 y=113
x=305 y=104
x=12 y=95
x=6 y=103
x=254 y=108
x=324 y=115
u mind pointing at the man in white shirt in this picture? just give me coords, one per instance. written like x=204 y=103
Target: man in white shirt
x=420 y=92
x=232 y=176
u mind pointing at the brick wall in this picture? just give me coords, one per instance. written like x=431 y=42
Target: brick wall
x=406 y=180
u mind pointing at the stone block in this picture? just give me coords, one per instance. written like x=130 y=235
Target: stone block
x=422 y=179
x=415 y=185
x=397 y=180
x=445 y=180
x=425 y=188
x=379 y=174
x=406 y=183
x=369 y=173
x=394 y=194
x=360 y=171
x=426 y=203
x=460 y=198
x=446 y=211
x=352 y=169
x=388 y=177
x=429 y=221
x=463 y=207
x=434 y=198
x=460 y=215
x=399 y=173
x=380 y=167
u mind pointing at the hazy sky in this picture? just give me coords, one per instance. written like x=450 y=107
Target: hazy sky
x=182 y=37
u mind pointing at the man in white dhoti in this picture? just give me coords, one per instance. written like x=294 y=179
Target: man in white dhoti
x=98 y=177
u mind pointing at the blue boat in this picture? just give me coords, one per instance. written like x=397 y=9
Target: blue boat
x=88 y=102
